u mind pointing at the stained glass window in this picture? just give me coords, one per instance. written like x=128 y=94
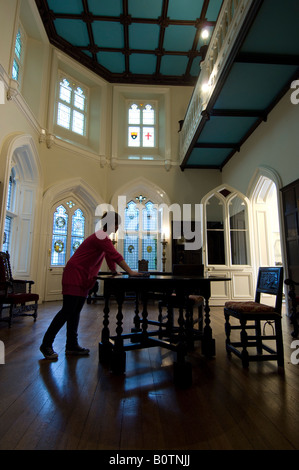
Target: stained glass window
x=79 y=98
x=64 y=116
x=15 y=70
x=68 y=233
x=7 y=234
x=134 y=136
x=132 y=217
x=141 y=234
x=134 y=114
x=148 y=137
x=150 y=221
x=11 y=191
x=72 y=106
x=59 y=237
x=18 y=46
x=65 y=91
x=149 y=251
x=131 y=249
x=10 y=214
x=18 y=55
x=141 y=125
x=148 y=115
x=78 y=222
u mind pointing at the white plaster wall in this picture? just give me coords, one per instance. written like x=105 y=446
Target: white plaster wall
x=274 y=144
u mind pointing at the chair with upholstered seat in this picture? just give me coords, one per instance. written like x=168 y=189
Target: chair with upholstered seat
x=15 y=294
x=270 y=281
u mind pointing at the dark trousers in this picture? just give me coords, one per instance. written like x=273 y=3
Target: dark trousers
x=69 y=314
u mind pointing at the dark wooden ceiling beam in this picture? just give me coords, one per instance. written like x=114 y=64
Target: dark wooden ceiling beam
x=163 y=22
x=126 y=21
x=243 y=113
x=219 y=145
x=70 y=16
x=87 y=18
x=268 y=59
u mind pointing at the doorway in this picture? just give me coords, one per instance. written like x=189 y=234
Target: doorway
x=267 y=233
x=67 y=234
x=268 y=251
x=20 y=205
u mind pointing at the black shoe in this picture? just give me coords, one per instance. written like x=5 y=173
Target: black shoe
x=48 y=352
x=76 y=351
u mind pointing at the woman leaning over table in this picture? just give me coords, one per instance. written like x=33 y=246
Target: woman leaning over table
x=78 y=278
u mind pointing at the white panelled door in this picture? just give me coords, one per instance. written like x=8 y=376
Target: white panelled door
x=226 y=249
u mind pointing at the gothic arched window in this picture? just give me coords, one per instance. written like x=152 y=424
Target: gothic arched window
x=227 y=229
x=67 y=232
x=142 y=125
x=72 y=106
x=141 y=234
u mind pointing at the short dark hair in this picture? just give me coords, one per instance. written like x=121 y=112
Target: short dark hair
x=110 y=219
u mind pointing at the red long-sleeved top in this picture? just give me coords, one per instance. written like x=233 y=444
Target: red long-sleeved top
x=80 y=272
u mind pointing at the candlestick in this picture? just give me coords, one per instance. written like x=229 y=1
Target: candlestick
x=164 y=243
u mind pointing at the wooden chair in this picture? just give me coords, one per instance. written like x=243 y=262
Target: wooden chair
x=194 y=300
x=15 y=294
x=143 y=265
x=270 y=281
x=294 y=300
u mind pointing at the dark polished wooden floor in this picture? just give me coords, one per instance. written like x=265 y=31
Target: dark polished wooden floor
x=75 y=403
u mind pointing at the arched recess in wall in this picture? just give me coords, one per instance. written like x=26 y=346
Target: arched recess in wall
x=20 y=211
x=148 y=192
x=71 y=194
x=140 y=186
x=267 y=218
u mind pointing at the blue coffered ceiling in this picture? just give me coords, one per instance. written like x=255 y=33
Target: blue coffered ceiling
x=159 y=42
x=133 y=41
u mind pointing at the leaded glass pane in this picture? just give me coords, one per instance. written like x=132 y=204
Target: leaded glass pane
x=215 y=215
x=75 y=243
x=131 y=251
x=78 y=122
x=148 y=136
x=18 y=46
x=215 y=231
x=78 y=222
x=64 y=116
x=237 y=214
x=149 y=216
x=149 y=251
x=15 y=70
x=134 y=114
x=60 y=221
x=132 y=217
x=134 y=136
x=59 y=238
x=65 y=91
x=79 y=99
x=11 y=192
x=7 y=234
x=238 y=247
x=58 y=250
x=238 y=232
x=148 y=115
